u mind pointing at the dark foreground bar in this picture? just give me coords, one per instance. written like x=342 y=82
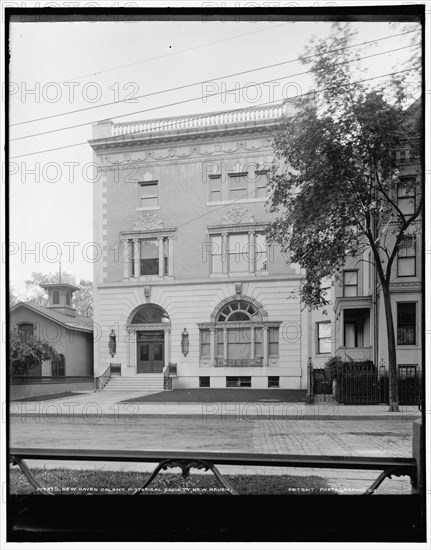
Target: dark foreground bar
x=213 y=518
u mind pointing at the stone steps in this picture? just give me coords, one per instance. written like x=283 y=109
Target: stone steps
x=138 y=383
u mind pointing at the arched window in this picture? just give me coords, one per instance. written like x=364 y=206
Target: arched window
x=26 y=330
x=242 y=336
x=150 y=313
x=55 y=297
x=59 y=366
x=68 y=298
x=239 y=310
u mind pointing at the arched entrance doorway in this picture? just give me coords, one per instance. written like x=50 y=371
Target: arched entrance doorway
x=151 y=325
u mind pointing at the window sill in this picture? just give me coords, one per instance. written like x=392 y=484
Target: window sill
x=145 y=208
x=233 y=201
x=241 y=274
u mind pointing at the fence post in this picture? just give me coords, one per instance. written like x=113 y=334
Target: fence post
x=310 y=385
x=418 y=454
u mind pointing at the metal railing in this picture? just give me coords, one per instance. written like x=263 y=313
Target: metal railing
x=208 y=461
x=167 y=380
x=258 y=362
x=101 y=381
x=367 y=386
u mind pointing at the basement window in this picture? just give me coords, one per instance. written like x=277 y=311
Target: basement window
x=204 y=381
x=238 y=381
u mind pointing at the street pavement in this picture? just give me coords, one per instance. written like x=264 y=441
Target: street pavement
x=98 y=404
x=100 y=421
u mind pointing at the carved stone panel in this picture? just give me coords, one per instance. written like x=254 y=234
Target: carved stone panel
x=148 y=221
x=236 y=214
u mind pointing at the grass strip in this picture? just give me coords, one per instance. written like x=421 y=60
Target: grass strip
x=97 y=482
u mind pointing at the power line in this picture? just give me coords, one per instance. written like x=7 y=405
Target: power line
x=220 y=112
x=217 y=78
x=174 y=53
x=200 y=97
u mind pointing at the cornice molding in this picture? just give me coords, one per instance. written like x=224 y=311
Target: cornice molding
x=201 y=150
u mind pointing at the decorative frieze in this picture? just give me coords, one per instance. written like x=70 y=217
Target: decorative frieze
x=147 y=222
x=237 y=214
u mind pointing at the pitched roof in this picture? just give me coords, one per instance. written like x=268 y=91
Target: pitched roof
x=82 y=323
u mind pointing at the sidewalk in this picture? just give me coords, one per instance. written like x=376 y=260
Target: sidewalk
x=93 y=405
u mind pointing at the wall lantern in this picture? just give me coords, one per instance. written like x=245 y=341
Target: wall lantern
x=185 y=342
x=112 y=343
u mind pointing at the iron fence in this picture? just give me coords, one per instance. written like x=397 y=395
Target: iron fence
x=365 y=385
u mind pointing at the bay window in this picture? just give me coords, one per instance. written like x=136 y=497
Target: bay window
x=239 y=337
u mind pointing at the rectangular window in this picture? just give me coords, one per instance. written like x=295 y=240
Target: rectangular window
x=406 y=258
x=205 y=342
x=273 y=341
x=261 y=183
x=214 y=188
x=406 y=196
x=273 y=381
x=216 y=254
x=350 y=283
x=324 y=337
x=238 y=381
x=407 y=371
x=149 y=193
x=220 y=343
x=406 y=325
x=238 y=252
x=258 y=350
x=149 y=255
x=370 y=272
x=204 y=381
x=261 y=253
x=238 y=185
x=239 y=343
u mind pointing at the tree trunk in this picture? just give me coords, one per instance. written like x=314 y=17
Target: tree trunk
x=392 y=352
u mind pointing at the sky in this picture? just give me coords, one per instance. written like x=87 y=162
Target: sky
x=57 y=68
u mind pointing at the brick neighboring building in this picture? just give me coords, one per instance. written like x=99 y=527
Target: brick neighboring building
x=360 y=322
x=185 y=275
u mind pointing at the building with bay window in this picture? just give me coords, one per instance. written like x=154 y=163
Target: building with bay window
x=187 y=283
x=360 y=323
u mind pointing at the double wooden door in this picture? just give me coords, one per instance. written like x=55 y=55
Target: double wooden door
x=150 y=350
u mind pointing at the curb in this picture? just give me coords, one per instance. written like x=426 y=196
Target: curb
x=223 y=418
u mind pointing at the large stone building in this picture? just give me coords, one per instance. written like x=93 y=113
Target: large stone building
x=186 y=276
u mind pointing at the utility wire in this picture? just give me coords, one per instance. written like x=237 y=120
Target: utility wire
x=200 y=97
x=221 y=112
x=207 y=80
x=173 y=53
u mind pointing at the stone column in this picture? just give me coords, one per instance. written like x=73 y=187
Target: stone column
x=252 y=342
x=252 y=251
x=133 y=350
x=167 y=346
x=212 y=347
x=224 y=255
x=341 y=332
x=161 y=257
x=265 y=346
x=170 y=256
x=225 y=343
x=126 y=258
x=137 y=257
